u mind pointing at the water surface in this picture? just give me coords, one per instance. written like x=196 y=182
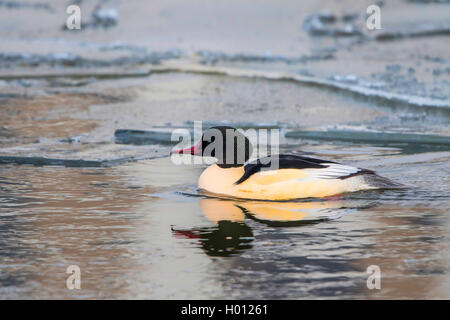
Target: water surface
x=141 y=230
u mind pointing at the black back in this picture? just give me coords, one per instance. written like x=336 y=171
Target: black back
x=285 y=161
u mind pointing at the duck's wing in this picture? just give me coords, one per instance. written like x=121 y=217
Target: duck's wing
x=317 y=168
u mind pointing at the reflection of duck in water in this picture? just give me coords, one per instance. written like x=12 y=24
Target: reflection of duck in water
x=271 y=212
x=276 y=177
x=293 y=213
x=232 y=235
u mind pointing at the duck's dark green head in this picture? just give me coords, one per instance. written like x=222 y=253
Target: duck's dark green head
x=228 y=145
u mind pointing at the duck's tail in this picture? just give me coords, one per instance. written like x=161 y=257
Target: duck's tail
x=375 y=181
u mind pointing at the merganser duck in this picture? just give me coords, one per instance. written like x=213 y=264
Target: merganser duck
x=287 y=213
x=295 y=176
x=231 y=234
